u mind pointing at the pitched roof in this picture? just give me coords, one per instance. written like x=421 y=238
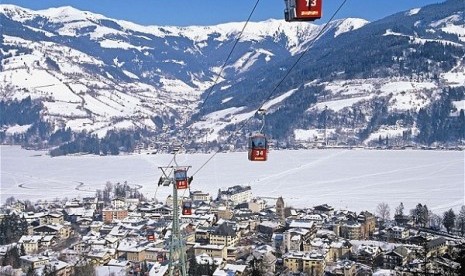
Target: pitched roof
x=225 y=229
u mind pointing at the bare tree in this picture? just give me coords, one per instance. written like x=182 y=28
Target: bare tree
x=383 y=211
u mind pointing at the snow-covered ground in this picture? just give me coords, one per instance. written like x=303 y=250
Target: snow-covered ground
x=354 y=179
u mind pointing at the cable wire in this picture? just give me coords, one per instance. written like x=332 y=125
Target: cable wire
x=218 y=75
x=282 y=80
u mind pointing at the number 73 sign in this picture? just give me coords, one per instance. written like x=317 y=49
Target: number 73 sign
x=310 y=9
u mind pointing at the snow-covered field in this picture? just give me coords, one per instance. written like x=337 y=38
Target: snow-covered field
x=353 y=179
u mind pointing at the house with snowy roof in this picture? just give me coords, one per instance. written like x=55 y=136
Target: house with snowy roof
x=212 y=250
x=32 y=261
x=312 y=262
x=224 y=234
x=30 y=243
x=101 y=256
x=397 y=233
x=52 y=218
x=237 y=194
x=58 y=230
x=368 y=254
x=294 y=239
x=230 y=269
x=397 y=257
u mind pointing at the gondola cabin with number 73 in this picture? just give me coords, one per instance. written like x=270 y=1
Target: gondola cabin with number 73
x=258 y=147
x=302 y=10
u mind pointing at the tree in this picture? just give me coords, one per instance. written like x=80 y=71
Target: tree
x=399 y=215
x=449 y=219
x=461 y=260
x=85 y=269
x=12 y=258
x=420 y=215
x=12 y=227
x=435 y=221
x=424 y=216
x=31 y=272
x=383 y=211
x=460 y=223
x=49 y=270
x=22 y=250
x=10 y=201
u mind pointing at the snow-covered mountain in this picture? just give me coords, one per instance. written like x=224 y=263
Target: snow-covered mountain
x=399 y=78
x=98 y=74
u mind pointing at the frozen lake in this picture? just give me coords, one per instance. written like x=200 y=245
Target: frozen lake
x=353 y=179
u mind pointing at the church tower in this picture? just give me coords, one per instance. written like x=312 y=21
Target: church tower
x=280 y=209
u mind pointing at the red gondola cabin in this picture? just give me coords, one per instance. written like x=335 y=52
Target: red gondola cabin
x=180 y=176
x=150 y=236
x=187 y=208
x=302 y=10
x=258 y=147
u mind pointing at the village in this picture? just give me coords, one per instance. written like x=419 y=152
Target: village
x=119 y=232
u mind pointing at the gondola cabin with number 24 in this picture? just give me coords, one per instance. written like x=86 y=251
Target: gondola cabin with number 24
x=258 y=147
x=302 y=10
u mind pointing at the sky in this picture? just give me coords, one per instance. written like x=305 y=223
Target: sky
x=211 y=12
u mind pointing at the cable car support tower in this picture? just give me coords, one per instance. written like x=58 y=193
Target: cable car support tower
x=176 y=176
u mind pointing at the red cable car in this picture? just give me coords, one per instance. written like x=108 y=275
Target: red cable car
x=302 y=10
x=187 y=207
x=180 y=176
x=258 y=147
x=150 y=236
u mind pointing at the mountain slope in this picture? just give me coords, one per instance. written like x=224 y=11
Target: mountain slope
x=94 y=73
x=399 y=64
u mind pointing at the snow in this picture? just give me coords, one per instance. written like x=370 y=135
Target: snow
x=78 y=124
x=350 y=24
x=353 y=179
x=176 y=85
x=454 y=79
x=218 y=120
x=351 y=88
x=455 y=29
x=107 y=43
x=17 y=129
x=418 y=40
x=64 y=108
x=405 y=101
x=126 y=124
x=459 y=104
x=49 y=34
x=455 y=18
x=180 y=62
x=226 y=100
x=248 y=59
x=403 y=86
x=387 y=131
x=338 y=105
x=306 y=134
x=413 y=11
x=384 y=272
x=279 y=99
x=223 y=113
